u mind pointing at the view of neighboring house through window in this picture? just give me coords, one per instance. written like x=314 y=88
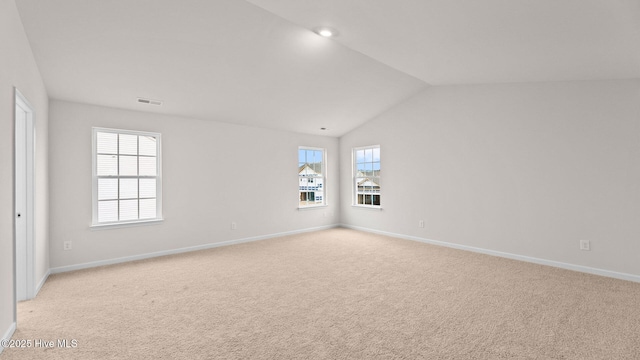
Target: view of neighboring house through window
x=366 y=175
x=126 y=176
x=311 y=176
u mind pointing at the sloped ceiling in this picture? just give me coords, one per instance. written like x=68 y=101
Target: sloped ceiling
x=483 y=41
x=258 y=63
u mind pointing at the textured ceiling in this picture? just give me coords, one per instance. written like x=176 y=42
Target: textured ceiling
x=257 y=63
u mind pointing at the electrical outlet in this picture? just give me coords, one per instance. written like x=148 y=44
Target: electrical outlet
x=421 y=223
x=234 y=226
x=67 y=245
x=585 y=245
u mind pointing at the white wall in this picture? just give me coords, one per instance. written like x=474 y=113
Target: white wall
x=527 y=169
x=207 y=183
x=18 y=68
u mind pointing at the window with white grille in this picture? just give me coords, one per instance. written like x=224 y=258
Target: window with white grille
x=127 y=182
x=311 y=176
x=366 y=176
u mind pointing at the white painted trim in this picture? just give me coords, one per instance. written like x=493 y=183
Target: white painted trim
x=557 y=264
x=61 y=269
x=42 y=281
x=94 y=177
x=30 y=213
x=367 y=207
x=8 y=334
x=125 y=224
x=311 y=207
x=354 y=186
x=324 y=177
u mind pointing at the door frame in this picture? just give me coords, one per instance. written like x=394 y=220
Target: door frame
x=29 y=212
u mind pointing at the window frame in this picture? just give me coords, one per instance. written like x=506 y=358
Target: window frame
x=355 y=177
x=323 y=177
x=95 y=177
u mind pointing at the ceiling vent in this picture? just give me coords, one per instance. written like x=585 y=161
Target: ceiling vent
x=149 y=101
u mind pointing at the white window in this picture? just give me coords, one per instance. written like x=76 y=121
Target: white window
x=311 y=176
x=366 y=176
x=127 y=181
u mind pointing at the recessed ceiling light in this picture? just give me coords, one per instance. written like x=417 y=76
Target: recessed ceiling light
x=323 y=128
x=326 y=32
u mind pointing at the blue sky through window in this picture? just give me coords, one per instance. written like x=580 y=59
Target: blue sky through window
x=368 y=161
x=311 y=157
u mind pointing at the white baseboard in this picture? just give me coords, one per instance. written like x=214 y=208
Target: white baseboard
x=61 y=269
x=42 y=281
x=558 y=264
x=8 y=334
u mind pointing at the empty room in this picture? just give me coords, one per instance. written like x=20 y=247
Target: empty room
x=338 y=179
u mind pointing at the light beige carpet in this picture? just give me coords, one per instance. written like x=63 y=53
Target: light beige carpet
x=335 y=294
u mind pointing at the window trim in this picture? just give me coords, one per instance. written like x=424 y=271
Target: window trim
x=323 y=177
x=354 y=184
x=94 y=179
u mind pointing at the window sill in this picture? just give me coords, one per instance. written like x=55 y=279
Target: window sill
x=311 y=207
x=368 y=207
x=125 y=224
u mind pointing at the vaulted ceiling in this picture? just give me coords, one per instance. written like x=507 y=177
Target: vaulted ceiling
x=258 y=63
